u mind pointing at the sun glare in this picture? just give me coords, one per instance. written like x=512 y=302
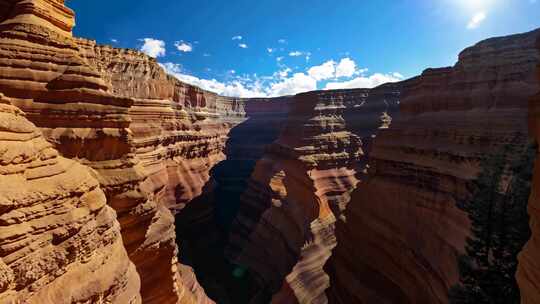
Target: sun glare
x=476 y=5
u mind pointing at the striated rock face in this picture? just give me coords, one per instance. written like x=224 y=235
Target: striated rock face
x=119 y=113
x=403 y=229
x=528 y=275
x=251 y=148
x=288 y=208
x=203 y=225
x=55 y=226
x=49 y=14
x=367 y=111
x=178 y=135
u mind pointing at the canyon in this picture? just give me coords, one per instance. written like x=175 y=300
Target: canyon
x=145 y=189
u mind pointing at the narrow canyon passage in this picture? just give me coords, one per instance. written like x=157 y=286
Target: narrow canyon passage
x=203 y=226
x=221 y=232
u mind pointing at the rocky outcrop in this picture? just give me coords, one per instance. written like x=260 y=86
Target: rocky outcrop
x=367 y=111
x=51 y=15
x=403 y=229
x=528 y=275
x=178 y=134
x=288 y=208
x=204 y=224
x=55 y=226
x=119 y=113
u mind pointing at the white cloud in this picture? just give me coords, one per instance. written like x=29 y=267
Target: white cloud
x=295 y=54
x=114 y=40
x=364 y=82
x=331 y=69
x=282 y=73
x=346 y=68
x=246 y=86
x=476 y=20
x=234 y=88
x=183 y=46
x=153 y=47
x=243 y=46
x=285 y=82
x=298 y=83
x=324 y=71
x=237 y=37
x=279 y=59
x=270 y=50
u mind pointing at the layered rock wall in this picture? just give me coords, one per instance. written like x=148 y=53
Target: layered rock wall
x=55 y=225
x=297 y=190
x=403 y=229
x=119 y=113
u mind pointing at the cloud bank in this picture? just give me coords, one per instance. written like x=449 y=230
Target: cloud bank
x=329 y=75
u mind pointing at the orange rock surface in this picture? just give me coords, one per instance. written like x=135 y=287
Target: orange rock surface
x=99 y=105
x=59 y=241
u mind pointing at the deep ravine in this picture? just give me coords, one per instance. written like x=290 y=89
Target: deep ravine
x=144 y=189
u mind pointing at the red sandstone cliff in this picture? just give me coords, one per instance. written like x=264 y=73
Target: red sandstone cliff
x=403 y=228
x=55 y=226
x=142 y=137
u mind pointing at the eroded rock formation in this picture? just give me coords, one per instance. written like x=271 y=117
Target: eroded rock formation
x=204 y=224
x=55 y=226
x=403 y=228
x=295 y=193
x=119 y=113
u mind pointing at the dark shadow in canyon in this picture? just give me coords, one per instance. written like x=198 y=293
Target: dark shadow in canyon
x=364 y=115
x=203 y=226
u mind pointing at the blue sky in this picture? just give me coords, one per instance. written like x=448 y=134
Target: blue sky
x=279 y=47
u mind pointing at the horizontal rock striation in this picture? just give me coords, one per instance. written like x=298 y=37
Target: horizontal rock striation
x=178 y=132
x=118 y=112
x=204 y=224
x=367 y=111
x=528 y=275
x=289 y=208
x=55 y=226
x=403 y=229
x=246 y=144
